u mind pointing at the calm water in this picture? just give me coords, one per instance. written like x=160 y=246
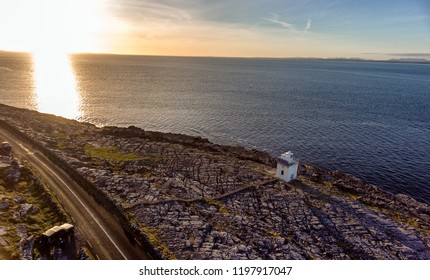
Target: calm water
x=368 y=119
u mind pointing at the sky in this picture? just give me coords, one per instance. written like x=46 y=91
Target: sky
x=371 y=29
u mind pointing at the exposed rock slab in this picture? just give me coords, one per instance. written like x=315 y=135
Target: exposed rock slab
x=197 y=200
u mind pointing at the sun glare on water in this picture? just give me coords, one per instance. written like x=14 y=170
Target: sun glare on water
x=55 y=85
x=59 y=28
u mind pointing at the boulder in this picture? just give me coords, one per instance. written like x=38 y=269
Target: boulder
x=3 y=242
x=26 y=248
x=24 y=210
x=4 y=206
x=3 y=231
x=20 y=199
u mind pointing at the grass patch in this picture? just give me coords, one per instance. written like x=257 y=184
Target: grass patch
x=153 y=236
x=272 y=233
x=109 y=153
x=400 y=219
x=60 y=145
x=219 y=206
x=46 y=211
x=351 y=195
x=131 y=217
x=61 y=135
x=88 y=253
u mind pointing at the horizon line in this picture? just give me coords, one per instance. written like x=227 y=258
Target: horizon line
x=392 y=60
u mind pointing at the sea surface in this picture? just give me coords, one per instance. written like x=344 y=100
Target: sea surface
x=369 y=119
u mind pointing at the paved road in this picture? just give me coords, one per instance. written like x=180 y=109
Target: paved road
x=102 y=231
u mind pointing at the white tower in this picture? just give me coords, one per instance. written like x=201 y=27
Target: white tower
x=287 y=167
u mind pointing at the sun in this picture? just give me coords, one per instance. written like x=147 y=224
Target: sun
x=59 y=25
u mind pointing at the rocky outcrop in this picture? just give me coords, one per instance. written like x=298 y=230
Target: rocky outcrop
x=25 y=244
x=3 y=232
x=192 y=199
x=25 y=210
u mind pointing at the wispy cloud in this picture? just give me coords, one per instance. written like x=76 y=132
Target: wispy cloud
x=285 y=24
x=411 y=54
x=288 y=25
x=141 y=11
x=308 y=25
x=325 y=28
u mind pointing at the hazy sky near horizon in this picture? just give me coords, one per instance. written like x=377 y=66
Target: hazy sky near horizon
x=376 y=29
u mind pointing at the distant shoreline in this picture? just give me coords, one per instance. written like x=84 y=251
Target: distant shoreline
x=392 y=60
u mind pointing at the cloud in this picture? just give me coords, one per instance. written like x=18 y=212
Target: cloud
x=288 y=25
x=411 y=54
x=308 y=25
x=210 y=28
x=144 y=11
x=283 y=23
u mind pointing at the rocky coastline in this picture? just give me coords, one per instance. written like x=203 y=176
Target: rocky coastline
x=191 y=199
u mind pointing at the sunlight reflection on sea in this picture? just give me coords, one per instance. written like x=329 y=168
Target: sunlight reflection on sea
x=55 y=85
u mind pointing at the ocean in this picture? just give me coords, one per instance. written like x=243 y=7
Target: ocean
x=369 y=119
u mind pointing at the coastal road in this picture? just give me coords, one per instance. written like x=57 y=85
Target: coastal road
x=103 y=233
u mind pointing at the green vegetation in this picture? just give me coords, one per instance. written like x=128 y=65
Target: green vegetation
x=61 y=135
x=45 y=211
x=153 y=236
x=109 y=153
x=131 y=217
x=401 y=219
x=60 y=145
x=273 y=234
x=219 y=206
x=88 y=253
